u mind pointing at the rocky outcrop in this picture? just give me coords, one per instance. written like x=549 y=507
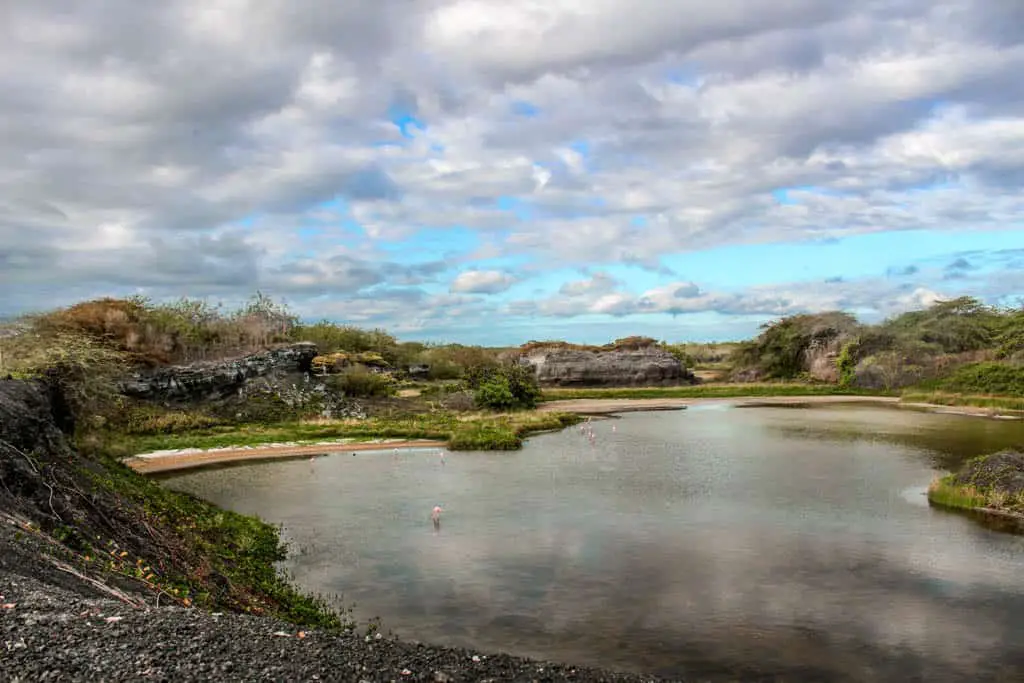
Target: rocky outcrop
x=49 y=484
x=34 y=424
x=820 y=358
x=218 y=379
x=569 y=367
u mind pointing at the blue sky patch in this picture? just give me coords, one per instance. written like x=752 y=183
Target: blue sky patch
x=525 y=109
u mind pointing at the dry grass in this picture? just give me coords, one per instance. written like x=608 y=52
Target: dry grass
x=968 y=497
x=157 y=334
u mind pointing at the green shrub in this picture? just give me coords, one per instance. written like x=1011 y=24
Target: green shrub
x=779 y=351
x=1006 y=379
x=954 y=326
x=847 y=366
x=358 y=382
x=679 y=351
x=495 y=395
x=444 y=369
x=504 y=387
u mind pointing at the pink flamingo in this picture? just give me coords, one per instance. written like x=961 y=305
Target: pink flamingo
x=435 y=515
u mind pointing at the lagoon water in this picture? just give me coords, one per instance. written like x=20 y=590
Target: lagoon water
x=713 y=543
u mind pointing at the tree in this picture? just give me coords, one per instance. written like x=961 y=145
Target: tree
x=1010 y=339
x=954 y=326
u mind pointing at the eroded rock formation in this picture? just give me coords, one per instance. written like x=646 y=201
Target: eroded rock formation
x=218 y=379
x=573 y=367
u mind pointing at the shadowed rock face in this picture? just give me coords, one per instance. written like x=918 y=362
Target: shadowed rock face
x=218 y=379
x=608 y=368
x=46 y=481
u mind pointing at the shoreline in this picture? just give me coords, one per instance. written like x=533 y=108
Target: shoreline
x=159 y=462
x=610 y=406
x=171 y=461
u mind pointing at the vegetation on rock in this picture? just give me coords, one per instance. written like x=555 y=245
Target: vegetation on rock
x=959 y=345
x=994 y=482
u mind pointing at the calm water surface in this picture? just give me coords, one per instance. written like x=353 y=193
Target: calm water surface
x=714 y=542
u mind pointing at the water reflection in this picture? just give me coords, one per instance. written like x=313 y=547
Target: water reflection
x=716 y=544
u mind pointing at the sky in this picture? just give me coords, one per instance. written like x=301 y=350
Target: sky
x=492 y=172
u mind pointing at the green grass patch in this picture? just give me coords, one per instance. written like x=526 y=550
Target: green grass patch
x=476 y=431
x=947 y=494
x=762 y=389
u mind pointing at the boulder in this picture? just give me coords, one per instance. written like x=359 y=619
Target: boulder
x=572 y=367
x=213 y=380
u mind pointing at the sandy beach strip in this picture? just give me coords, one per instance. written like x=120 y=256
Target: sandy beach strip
x=168 y=461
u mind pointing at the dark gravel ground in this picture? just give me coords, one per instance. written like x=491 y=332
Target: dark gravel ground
x=50 y=633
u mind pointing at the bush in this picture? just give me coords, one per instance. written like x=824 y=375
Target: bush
x=358 y=382
x=954 y=326
x=442 y=369
x=887 y=370
x=984 y=378
x=331 y=338
x=495 y=395
x=1011 y=337
x=504 y=387
x=779 y=351
x=182 y=331
x=85 y=370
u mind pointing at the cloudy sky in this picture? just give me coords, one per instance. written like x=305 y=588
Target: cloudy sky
x=493 y=171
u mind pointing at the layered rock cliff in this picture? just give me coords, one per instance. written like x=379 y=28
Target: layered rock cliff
x=218 y=379
x=573 y=367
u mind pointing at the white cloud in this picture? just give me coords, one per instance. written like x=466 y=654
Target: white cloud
x=482 y=282
x=224 y=145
